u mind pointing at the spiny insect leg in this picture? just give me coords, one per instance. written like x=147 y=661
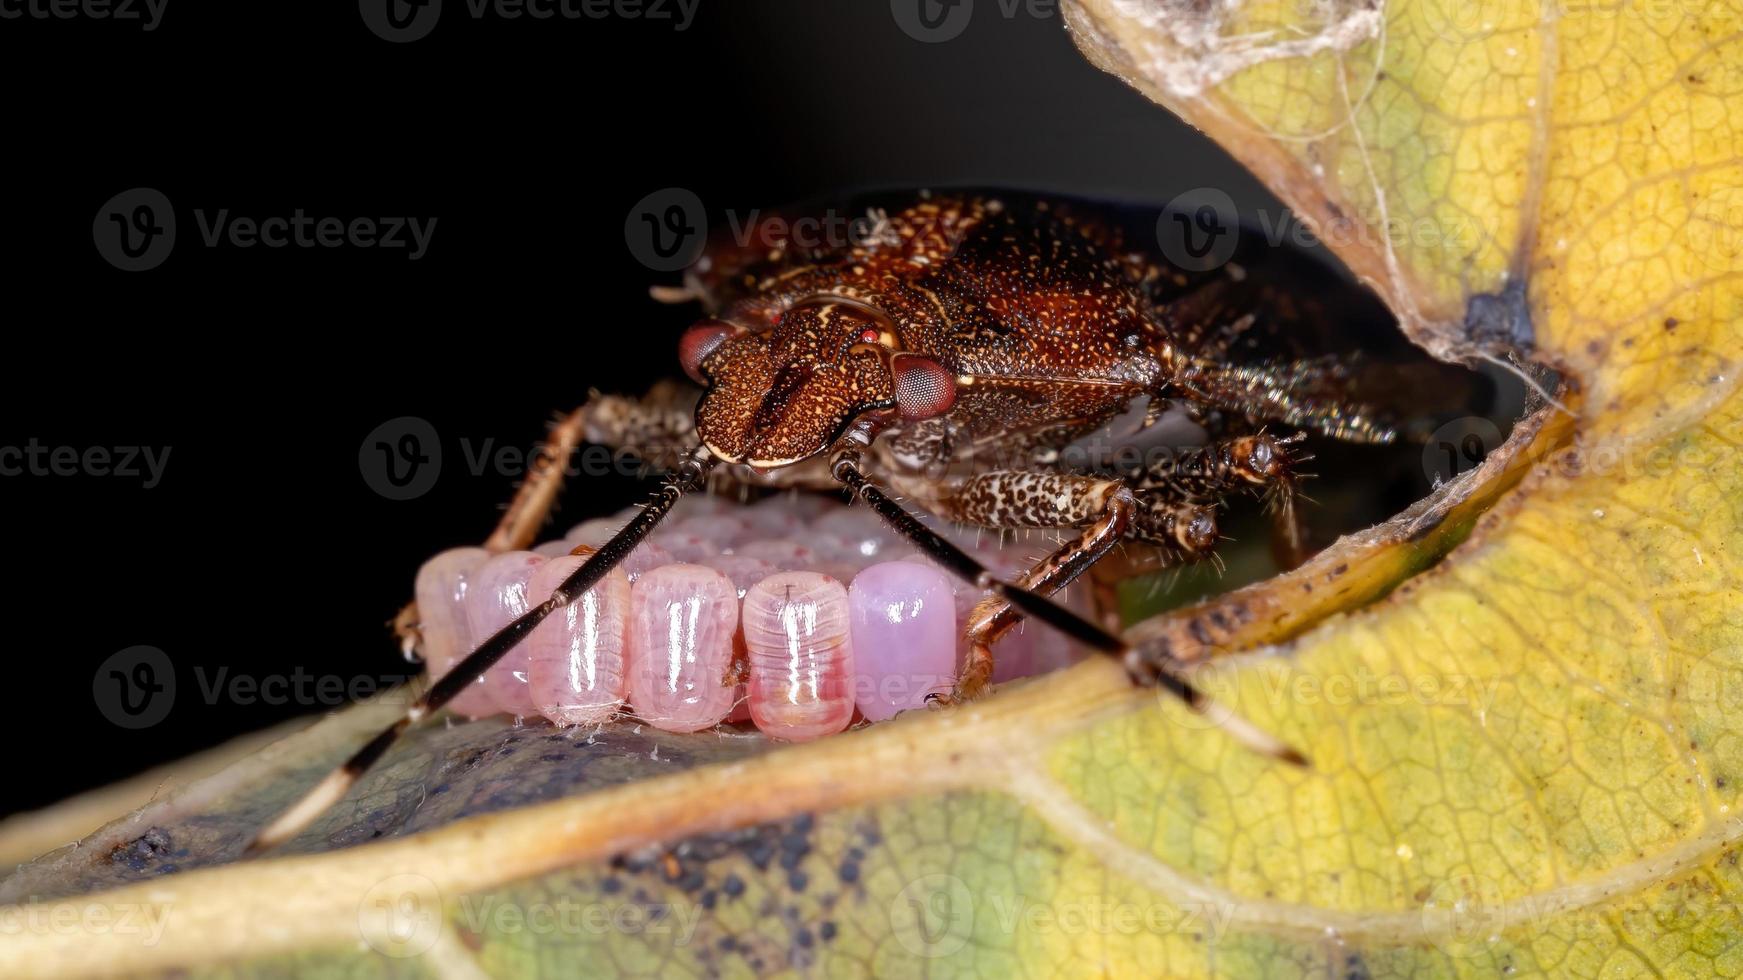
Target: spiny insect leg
x=1257 y=461
x=1303 y=394
x=537 y=495
x=992 y=497
x=1148 y=671
x=690 y=476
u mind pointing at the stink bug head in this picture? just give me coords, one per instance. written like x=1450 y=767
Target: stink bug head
x=787 y=393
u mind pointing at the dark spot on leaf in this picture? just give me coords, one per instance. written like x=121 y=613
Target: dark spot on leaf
x=142 y=851
x=1501 y=317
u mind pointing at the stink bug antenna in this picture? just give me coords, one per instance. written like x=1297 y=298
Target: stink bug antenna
x=691 y=475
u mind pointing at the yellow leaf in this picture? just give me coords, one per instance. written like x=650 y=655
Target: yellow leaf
x=1526 y=758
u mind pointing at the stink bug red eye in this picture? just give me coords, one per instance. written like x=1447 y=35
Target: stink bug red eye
x=698 y=342
x=924 y=389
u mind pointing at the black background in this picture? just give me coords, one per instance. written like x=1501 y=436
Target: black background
x=263 y=549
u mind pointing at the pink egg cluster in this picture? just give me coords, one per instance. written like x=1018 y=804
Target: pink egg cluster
x=798 y=614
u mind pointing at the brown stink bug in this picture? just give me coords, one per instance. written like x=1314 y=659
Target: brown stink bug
x=950 y=355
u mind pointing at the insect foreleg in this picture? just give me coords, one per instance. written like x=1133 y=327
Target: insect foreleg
x=1259 y=461
x=536 y=498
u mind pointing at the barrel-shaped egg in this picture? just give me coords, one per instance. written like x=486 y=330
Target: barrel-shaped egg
x=497 y=596
x=681 y=624
x=904 y=628
x=801 y=655
x=576 y=658
x=441 y=588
